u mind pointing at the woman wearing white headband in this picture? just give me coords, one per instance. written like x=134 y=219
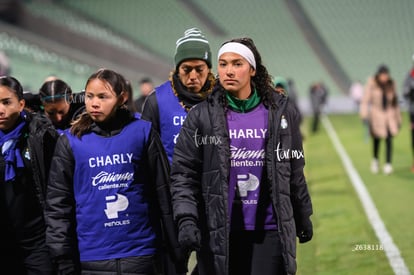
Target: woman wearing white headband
x=239 y=193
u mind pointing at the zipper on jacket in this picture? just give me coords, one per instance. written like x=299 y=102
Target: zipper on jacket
x=118 y=266
x=273 y=140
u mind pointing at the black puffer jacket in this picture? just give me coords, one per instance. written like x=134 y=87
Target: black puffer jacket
x=200 y=176
x=22 y=201
x=41 y=141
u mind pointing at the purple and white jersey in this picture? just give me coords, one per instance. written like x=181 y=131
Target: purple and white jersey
x=250 y=207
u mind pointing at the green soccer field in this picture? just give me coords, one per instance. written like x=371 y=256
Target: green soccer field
x=344 y=241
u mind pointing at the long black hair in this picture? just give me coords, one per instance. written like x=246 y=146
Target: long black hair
x=386 y=87
x=55 y=90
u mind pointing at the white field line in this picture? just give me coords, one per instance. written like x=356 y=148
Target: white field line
x=391 y=250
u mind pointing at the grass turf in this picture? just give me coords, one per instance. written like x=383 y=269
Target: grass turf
x=340 y=222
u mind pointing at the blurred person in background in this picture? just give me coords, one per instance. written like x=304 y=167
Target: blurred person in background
x=50 y=78
x=109 y=188
x=189 y=84
x=288 y=88
x=27 y=141
x=293 y=92
x=32 y=102
x=146 y=86
x=237 y=203
x=130 y=101
x=380 y=109
x=318 y=98
x=59 y=104
x=356 y=91
x=281 y=85
x=4 y=64
x=408 y=94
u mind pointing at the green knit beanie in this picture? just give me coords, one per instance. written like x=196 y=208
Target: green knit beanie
x=193 y=45
x=281 y=81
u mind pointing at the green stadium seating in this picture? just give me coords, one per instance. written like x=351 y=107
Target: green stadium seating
x=31 y=64
x=361 y=35
x=158 y=24
x=365 y=34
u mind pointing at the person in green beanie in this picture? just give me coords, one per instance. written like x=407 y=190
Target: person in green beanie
x=281 y=85
x=286 y=87
x=189 y=83
x=239 y=194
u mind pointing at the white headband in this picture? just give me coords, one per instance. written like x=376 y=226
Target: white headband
x=243 y=50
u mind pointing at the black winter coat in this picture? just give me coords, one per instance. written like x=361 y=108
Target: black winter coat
x=200 y=176
x=41 y=141
x=38 y=142
x=22 y=202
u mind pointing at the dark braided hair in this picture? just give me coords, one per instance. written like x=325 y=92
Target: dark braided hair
x=262 y=81
x=55 y=90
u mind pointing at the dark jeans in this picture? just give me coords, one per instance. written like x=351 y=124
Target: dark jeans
x=315 y=122
x=388 y=147
x=255 y=253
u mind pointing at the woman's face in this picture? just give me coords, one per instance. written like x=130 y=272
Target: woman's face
x=383 y=77
x=57 y=111
x=101 y=100
x=10 y=108
x=235 y=73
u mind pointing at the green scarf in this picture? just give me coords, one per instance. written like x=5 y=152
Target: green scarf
x=243 y=105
